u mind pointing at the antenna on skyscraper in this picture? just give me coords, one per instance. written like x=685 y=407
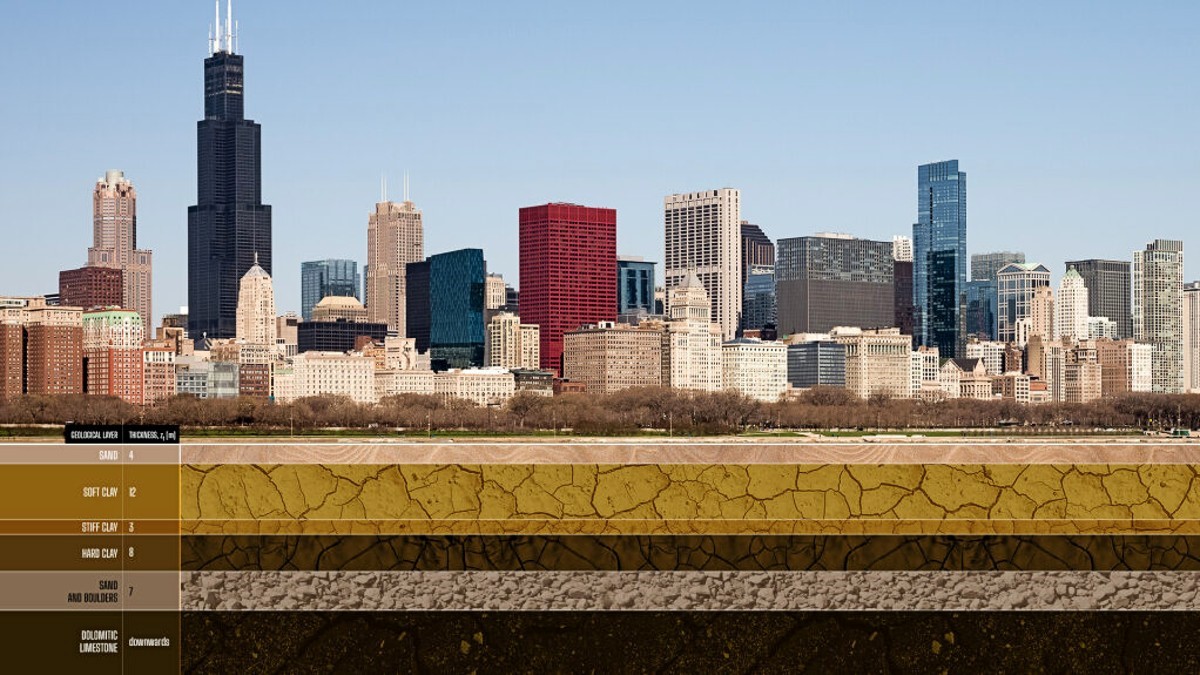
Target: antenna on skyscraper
x=229 y=26
x=406 y=186
x=214 y=42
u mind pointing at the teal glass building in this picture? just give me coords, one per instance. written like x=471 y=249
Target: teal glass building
x=940 y=258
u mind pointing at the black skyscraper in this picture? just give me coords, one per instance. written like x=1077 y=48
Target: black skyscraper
x=229 y=223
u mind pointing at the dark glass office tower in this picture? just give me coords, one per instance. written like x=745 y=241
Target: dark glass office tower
x=456 y=285
x=229 y=225
x=1109 y=289
x=940 y=258
x=833 y=280
x=417 y=313
x=635 y=286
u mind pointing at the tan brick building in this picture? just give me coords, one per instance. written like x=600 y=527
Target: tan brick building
x=608 y=357
x=878 y=361
x=395 y=237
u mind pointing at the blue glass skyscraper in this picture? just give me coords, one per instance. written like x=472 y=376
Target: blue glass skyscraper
x=455 y=284
x=635 y=286
x=322 y=278
x=940 y=258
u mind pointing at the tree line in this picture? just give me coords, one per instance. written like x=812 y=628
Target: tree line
x=631 y=411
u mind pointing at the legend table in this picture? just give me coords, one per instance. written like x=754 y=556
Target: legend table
x=89 y=574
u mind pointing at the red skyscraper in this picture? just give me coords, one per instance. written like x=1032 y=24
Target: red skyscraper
x=568 y=271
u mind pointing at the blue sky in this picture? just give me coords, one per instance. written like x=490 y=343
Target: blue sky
x=1077 y=123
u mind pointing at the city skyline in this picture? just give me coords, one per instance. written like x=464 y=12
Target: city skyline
x=779 y=165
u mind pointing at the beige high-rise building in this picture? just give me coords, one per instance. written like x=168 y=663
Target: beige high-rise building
x=256 y=318
x=703 y=236
x=510 y=344
x=494 y=292
x=1125 y=366
x=1191 y=337
x=395 y=238
x=691 y=341
x=608 y=357
x=878 y=361
x=158 y=373
x=114 y=243
x=1071 y=307
x=1041 y=313
x=1083 y=374
x=1158 y=310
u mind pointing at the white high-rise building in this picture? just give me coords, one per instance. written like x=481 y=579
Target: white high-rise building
x=1191 y=337
x=703 y=236
x=1101 y=327
x=256 y=319
x=1071 y=307
x=692 y=349
x=510 y=344
x=494 y=292
x=924 y=363
x=991 y=353
x=902 y=248
x=1158 y=310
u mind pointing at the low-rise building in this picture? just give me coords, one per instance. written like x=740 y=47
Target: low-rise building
x=400 y=382
x=1013 y=386
x=484 y=386
x=256 y=364
x=608 y=357
x=335 y=374
x=540 y=382
x=965 y=378
x=195 y=376
x=755 y=368
x=878 y=361
x=820 y=363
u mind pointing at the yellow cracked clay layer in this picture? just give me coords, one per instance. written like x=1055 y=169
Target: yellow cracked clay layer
x=698 y=498
x=462 y=527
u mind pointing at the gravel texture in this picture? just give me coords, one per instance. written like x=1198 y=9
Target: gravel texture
x=689 y=591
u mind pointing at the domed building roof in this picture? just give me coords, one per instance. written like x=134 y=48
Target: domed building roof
x=691 y=281
x=339 y=302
